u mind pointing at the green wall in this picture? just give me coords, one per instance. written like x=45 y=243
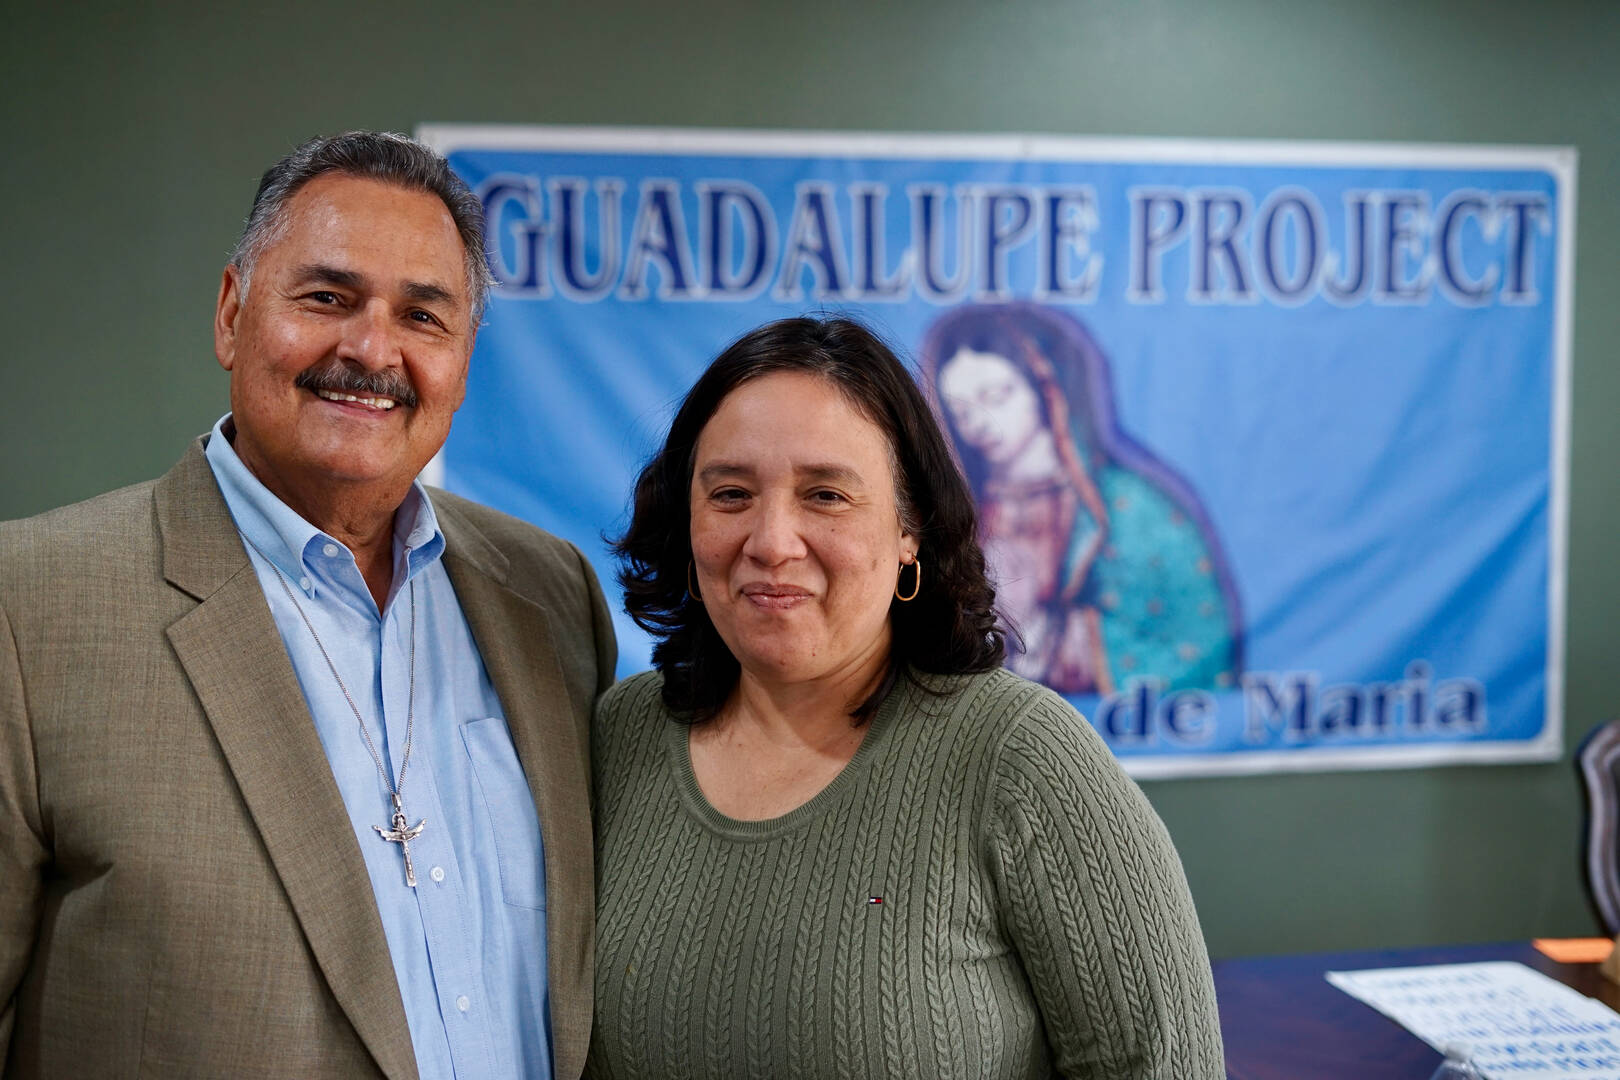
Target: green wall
x=133 y=140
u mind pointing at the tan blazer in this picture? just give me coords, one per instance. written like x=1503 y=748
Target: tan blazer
x=181 y=891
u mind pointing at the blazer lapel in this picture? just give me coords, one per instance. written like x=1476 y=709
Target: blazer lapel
x=515 y=639
x=238 y=666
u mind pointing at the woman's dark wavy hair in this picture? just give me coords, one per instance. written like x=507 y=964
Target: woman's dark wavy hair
x=950 y=628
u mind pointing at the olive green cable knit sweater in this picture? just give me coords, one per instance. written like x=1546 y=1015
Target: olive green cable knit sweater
x=981 y=892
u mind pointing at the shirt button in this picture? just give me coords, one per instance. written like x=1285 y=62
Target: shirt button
x=463 y=1003
x=437 y=873
x=330 y=550
x=303 y=583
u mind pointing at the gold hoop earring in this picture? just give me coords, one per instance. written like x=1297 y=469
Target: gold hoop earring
x=916 y=584
x=691 y=589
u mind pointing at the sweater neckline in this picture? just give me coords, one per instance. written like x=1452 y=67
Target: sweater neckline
x=698 y=806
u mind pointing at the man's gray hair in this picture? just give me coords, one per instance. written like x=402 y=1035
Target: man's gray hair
x=373 y=155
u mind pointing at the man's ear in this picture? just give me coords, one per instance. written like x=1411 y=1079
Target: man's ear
x=226 y=312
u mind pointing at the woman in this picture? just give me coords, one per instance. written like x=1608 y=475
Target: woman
x=1107 y=564
x=834 y=837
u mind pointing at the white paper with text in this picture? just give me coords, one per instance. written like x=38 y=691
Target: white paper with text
x=1515 y=1022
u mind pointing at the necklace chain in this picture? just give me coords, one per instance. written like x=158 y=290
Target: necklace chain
x=394 y=788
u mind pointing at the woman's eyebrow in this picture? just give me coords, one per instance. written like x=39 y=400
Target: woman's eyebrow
x=824 y=473
x=834 y=474
x=722 y=470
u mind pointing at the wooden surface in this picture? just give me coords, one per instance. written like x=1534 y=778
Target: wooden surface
x=1282 y=1020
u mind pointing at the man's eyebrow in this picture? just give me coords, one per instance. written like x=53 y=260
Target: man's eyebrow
x=422 y=292
x=324 y=274
x=427 y=292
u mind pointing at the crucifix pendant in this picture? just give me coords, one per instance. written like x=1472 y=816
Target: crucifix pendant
x=402 y=836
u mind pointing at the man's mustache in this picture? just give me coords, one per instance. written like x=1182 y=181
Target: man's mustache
x=337 y=376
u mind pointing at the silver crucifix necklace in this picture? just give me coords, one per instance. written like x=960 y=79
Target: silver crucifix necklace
x=401 y=832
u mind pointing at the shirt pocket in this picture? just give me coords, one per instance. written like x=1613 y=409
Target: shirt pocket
x=513 y=823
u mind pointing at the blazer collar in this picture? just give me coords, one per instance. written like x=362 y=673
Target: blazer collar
x=201 y=547
x=234 y=657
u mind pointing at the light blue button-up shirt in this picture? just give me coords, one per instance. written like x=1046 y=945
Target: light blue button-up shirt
x=469 y=942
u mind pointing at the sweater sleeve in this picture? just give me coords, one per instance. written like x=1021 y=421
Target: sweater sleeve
x=1093 y=897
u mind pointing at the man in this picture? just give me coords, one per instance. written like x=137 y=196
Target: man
x=293 y=765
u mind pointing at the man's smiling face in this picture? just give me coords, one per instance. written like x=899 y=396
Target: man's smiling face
x=348 y=349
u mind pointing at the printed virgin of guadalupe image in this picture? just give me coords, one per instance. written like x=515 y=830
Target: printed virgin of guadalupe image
x=1103 y=556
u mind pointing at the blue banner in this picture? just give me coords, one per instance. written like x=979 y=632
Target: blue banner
x=1268 y=439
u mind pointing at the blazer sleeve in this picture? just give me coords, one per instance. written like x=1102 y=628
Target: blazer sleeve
x=23 y=850
x=607 y=645
x=1094 y=898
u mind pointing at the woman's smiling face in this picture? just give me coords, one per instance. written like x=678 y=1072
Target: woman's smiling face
x=795 y=531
